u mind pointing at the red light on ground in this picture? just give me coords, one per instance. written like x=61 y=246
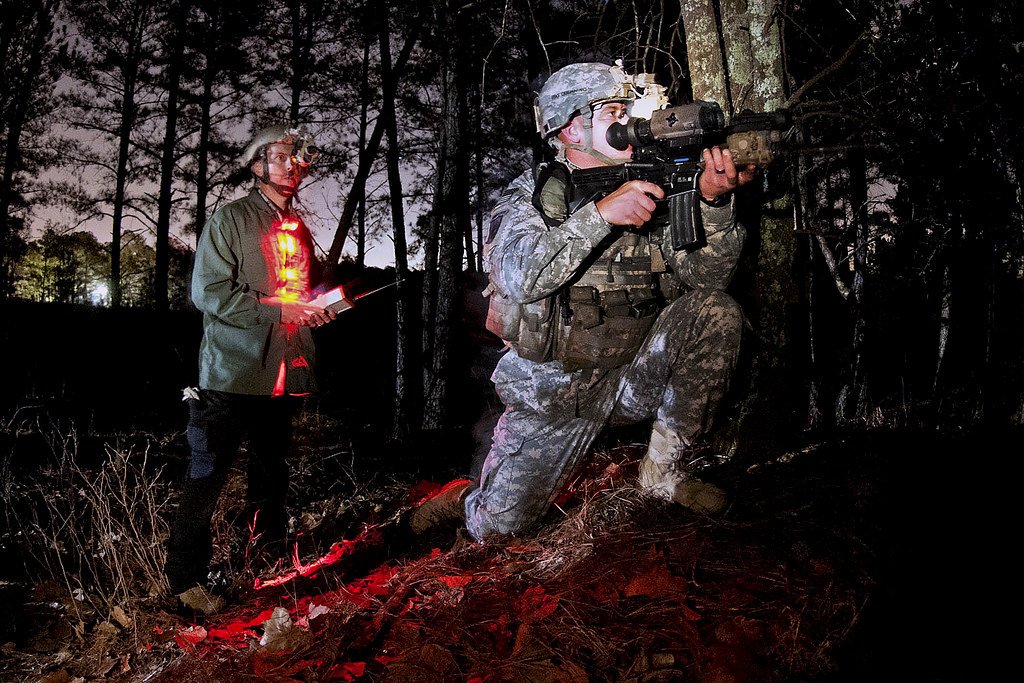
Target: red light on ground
x=369 y=534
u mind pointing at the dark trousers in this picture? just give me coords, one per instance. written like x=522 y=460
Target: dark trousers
x=218 y=423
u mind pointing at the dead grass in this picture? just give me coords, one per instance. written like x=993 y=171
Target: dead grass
x=97 y=531
x=615 y=587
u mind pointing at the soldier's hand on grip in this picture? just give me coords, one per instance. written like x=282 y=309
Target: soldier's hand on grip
x=631 y=203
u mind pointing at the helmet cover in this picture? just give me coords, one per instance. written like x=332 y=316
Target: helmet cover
x=304 y=146
x=579 y=87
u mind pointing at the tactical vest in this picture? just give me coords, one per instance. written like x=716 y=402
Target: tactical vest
x=603 y=316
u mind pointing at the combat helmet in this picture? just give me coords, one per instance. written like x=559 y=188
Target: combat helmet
x=304 y=153
x=577 y=88
x=581 y=88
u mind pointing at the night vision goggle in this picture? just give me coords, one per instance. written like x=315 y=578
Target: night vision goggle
x=649 y=96
x=304 y=149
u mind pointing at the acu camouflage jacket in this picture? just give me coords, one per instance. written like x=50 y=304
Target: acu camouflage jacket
x=585 y=292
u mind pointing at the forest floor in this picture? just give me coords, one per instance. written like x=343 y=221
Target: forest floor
x=844 y=556
x=832 y=563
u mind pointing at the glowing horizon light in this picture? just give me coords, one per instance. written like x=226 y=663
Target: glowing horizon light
x=99 y=294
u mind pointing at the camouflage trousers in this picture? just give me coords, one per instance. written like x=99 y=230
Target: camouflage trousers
x=551 y=418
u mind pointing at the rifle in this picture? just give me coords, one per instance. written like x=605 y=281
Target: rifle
x=667 y=152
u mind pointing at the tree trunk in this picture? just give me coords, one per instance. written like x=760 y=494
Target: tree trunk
x=452 y=204
x=704 y=51
x=365 y=164
x=364 y=96
x=12 y=149
x=400 y=424
x=121 y=182
x=203 y=162
x=303 y=25
x=750 y=76
x=478 y=182
x=168 y=158
x=945 y=308
x=428 y=312
x=855 y=405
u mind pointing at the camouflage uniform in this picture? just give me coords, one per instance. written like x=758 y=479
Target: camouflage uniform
x=677 y=376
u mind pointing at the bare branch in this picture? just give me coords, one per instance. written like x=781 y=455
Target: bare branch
x=833 y=269
x=795 y=97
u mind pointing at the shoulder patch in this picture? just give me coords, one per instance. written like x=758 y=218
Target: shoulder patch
x=501 y=207
x=496 y=218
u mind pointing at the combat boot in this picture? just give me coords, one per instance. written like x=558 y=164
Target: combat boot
x=662 y=476
x=443 y=506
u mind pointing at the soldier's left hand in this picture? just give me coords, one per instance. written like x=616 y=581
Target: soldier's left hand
x=301 y=313
x=721 y=175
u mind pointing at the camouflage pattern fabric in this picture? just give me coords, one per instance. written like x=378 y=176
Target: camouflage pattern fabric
x=678 y=376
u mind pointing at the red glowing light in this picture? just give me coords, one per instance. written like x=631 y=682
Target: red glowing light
x=286 y=243
x=292 y=262
x=339 y=550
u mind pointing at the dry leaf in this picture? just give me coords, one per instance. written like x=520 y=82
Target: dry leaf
x=279 y=633
x=535 y=604
x=187 y=639
x=120 y=617
x=657 y=582
x=201 y=600
x=428 y=664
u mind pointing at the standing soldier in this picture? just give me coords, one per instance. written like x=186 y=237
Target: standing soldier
x=252 y=279
x=605 y=322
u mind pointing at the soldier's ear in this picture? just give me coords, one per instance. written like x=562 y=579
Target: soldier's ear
x=573 y=132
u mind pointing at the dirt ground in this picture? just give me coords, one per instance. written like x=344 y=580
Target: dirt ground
x=841 y=561
x=850 y=556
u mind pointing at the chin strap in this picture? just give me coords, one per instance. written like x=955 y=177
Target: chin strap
x=285 y=190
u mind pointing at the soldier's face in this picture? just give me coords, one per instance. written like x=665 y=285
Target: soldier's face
x=282 y=167
x=605 y=116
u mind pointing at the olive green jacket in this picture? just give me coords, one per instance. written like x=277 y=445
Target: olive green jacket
x=235 y=272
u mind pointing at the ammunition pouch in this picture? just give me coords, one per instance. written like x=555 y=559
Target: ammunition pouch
x=607 y=328
x=528 y=328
